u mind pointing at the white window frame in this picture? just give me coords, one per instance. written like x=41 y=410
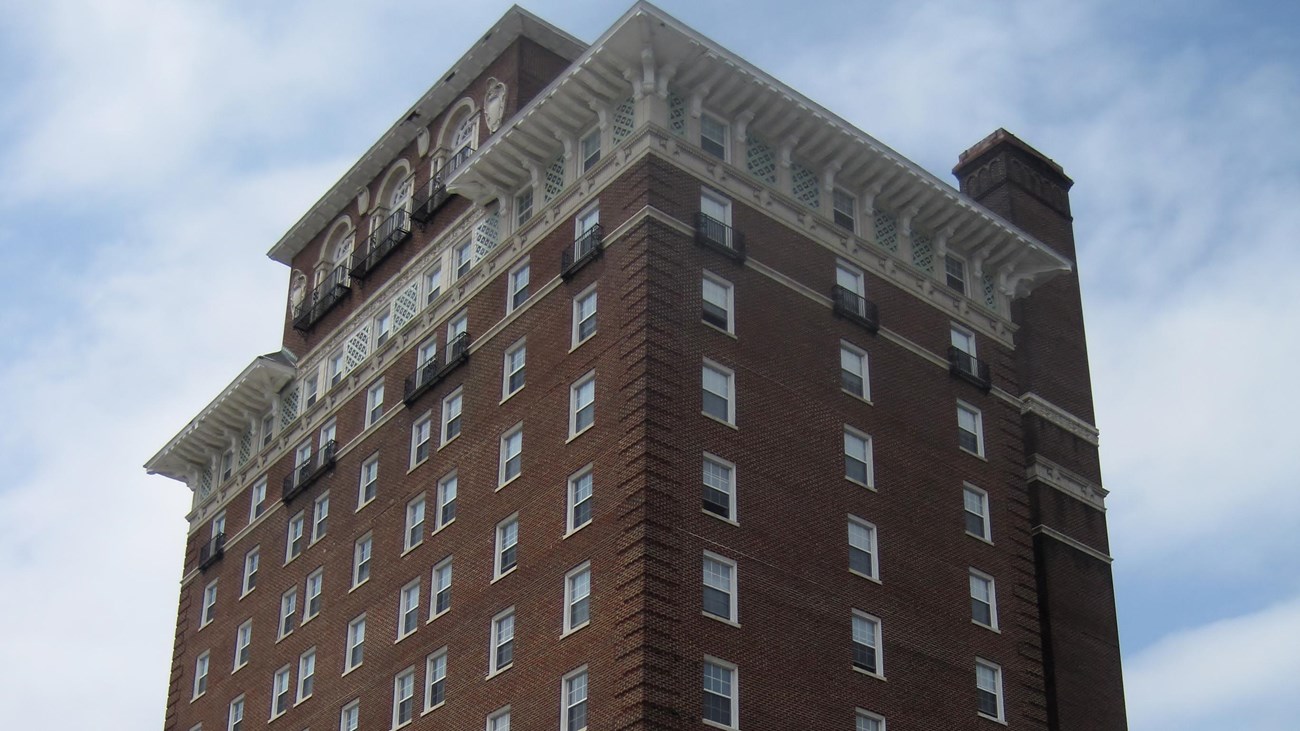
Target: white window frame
x=436 y=587
x=456 y=326
x=846 y=274
x=202 y=666
x=280 y=689
x=733 y=599
x=404 y=692
x=861 y=714
x=311 y=387
x=725 y=142
x=295 y=536
x=513 y=290
x=576 y=407
x=508 y=369
x=337 y=368
x=369 y=469
x=588 y=159
x=257 y=497
x=979 y=576
x=978 y=417
x=252 y=563
x=506 y=456
x=208 y=610
x=218 y=526
x=268 y=430
x=374 y=403
x=579 y=303
x=730 y=396
x=350 y=716
x=317 y=578
x=838 y=197
x=567 y=693
x=852 y=351
x=440 y=520
x=288 y=614
x=320 y=515
x=731 y=516
x=383 y=328
x=421 y=438
x=734 y=680
x=328 y=433
x=227 y=465
x=243 y=645
x=985 y=518
x=722 y=202
x=867 y=456
x=494 y=719
x=355 y=645
x=872 y=549
x=589 y=216
x=495 y=642
x=235 y=718
x=499 y=570
x=962 y=339
x=408 y=606
x=948 y=258
x=729 y=297
x=997 y=690
x=416 y=515
x=524 y=214
x=462 y=260
x=572 y=502
x=362 y=554
x=455 y=398
x=571 y=597
x=431 y=676
x=432 y=282
x=427 y=351
x=878 y=644
x=306 y=675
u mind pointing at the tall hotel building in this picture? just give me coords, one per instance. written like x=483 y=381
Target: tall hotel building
x=624 y=387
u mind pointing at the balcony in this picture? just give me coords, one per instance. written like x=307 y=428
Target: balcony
x=455 y=162
x=586 y=249
x=429 y=200
x=436 y=369
x=716 y=235
x=331 y=291
x=212 y=551
x=969 y=368
x=854 y=307
x=307 y=473
x=392 y=233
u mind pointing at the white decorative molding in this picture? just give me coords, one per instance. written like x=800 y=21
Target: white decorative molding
x=494 y=104
x=1072 y=543
x=363 y=200
x=422 y=142
x=1032 y=403
x=1071 y=483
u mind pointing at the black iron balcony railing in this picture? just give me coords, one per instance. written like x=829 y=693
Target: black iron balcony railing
x=719 y=236
x=585 y=249
x=392 y=233
x=854 y=307
x=308 y=472
x=212 y=551
x=435 y=369
x=969 y=368
x=331 y=290
x=429 y=200
x=455 y=162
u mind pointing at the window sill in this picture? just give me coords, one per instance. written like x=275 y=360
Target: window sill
x=300 y=701
x=289 y=560
x=868 y=673
x=408 y=634
x=502 y=486
x=433 y=708
x=715 y=516
x=868 y=577
x=575 y=435
x=723 y=620
x=445 y=442
x=439 y=614
x=990 y=718
x=574 y=530
x=861 y=484
x=411 y=548
x=348 y=670
x=305 y=620
x=276 y=716
x=498 y=671
x=580 y=342
x=715 y=328
x=415 y=466
x=982 y=539
x=283 y=636
x=510 y=395
x=723 y=422
x=357 y=586
x=988 y=627
x=715 y=724
x=442 y=527
x=571 y=630
x=238 y=668
x=504 y=574
x=976 y=455
x=864 y=399
x=362 y=505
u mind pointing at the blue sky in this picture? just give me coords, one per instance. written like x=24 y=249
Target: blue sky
x=152 y=153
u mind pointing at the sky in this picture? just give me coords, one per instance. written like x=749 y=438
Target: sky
x=152 y=152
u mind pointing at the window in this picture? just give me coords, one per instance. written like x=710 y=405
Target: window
x=719 y=587
x=408 y=619
x=512 y=378
x=579 y=508
x=954 y=273
x=350 y=717
x=584 y=223
x=209 y=604
x=258 y=495
x=403 y=697
x=361 y=560
x=293 y=542
x=850 y=278
x=582 y=405
x=383 y=328
x=427 y=352
x=280 y=692
x=327 y=433
x=441 y=588
x=862 y=548
x=451 y=408
x=499 y=721
x=963 y=340
x=713 y=136
x=857 y=458
x=976 y=504
x=312 y=594
x=866 y=644
x=457 y=326
x=243 y=644
x=518 y=287
x=218 y=525
x=311 y=389
x=590 y=150
x=227 y=465
x=988 y=686
x=853 y=371
x=842 y=210
x=719 y=487
x=573 y=705
x=306 y=674
x=446 y=501
x=461 y=260
x=252 y=560
x=337 y=367
x=303 y=454
x=970 y=429
x=719 y=398
x=356 y=644
x=507 y=539
x=268 y=430
x=983 y=599
x=374 y=403
x=503 y=641
x=288 y=612
x=320 y=517
x=716 y=221
x=584 y=316
x=420 y=432
x=369 y=484
x=523 y=207
x=236 y=716
x=432 y=284
x=718 y=297
x=868 y=721
x=201 y=674
x=720 y=697
x=435 y=679
x=512 y=447
x=577 y=598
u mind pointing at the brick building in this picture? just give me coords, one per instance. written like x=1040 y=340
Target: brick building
x=624 y=387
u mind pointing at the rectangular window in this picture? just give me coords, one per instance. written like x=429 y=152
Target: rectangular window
x=243 y=644
x=715 y=219
x=403 y=697
x=327 y=433
x=420 y=434
x=499 y=721
x=458 y=326
x=236 y=717
x=590 y=150
x=512 y=378
x=857 y=458
x=720 y=587
x=523 y=207
x=503 y=641
x=577 y=598
x=408 y=619
x=280 y=692
x=573 y=706
x=843 y=207
x=288 y=612
x=719 y=487
x=983 y=599
x=850 y=278
x=507 y=541
x=579 y=509
x=337 y=368
x=717 y=295
x=713 y=136
x=294 y=540
x=310 y=389
x=720 y=701
x=970 y=429
x=320 y=517
x=461 y=260
x=862 y=548
x=518 y=287
x=427 y=352
x=868 y=721
x=963 y=340
x=954 y=273
x=976 y=504
x=988 y=686
x=441 y=588
x=312 y=594
x=383 y=328
x=432 y=284
x=356 y=653
x=252 y=560
x=306 y=674
x=361 y=560
x=201 y=674
x=369 y=484
x=719 y=396
x=374 y=403
x=209 y=604
x=853 y=371
x=218 y=525
x=435 y=680
x=302 y=455
x=258 y=495
x=512 y=448
x=350 y=717
x=414 y=523
x=867 y=656
x=268 y=430
x=584 y=316
x=446 y=501
x=451 y=413
x=582 y=405
x=227 y=465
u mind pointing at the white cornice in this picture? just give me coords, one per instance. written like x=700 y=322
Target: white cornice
x=1032 y=403
x=1073 y=484
x=1072 y=543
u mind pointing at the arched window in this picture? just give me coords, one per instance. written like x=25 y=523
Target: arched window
x=463 y=142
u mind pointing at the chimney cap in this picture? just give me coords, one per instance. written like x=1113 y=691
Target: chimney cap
x=1001 y=136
